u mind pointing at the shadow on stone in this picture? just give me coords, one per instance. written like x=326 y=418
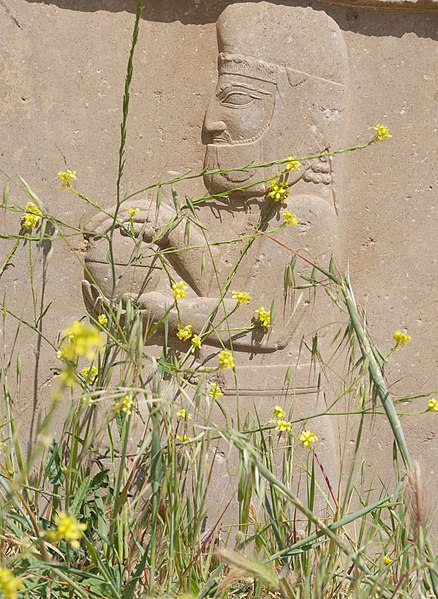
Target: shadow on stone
x=420 y=18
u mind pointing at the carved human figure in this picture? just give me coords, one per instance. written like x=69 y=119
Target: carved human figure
x=281 y=91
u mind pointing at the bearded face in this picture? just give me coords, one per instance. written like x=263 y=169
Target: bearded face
x=236 y=121
x=252 y=120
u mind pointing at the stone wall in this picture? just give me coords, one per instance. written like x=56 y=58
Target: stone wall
x=63 y=65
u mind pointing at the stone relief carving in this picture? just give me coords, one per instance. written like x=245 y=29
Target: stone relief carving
x=282 y=90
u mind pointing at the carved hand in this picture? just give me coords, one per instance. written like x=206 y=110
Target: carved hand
x=146 y=223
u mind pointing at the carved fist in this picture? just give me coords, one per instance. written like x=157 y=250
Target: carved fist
x=145 y=223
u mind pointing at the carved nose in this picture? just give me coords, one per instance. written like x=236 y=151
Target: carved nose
x=214 y=126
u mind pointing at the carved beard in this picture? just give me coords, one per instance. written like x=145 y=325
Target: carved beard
x=228 y=156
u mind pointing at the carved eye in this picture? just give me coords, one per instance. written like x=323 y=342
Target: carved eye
x=237 y=98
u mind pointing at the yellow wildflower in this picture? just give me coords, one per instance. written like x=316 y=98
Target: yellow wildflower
x=196 y=342
x=263 y=317
x=432 y=405
x=401 y=338
x=292 y=164
x=80 y=339
x=179 y=290
x=102 y=319
x=278 y=190
x=90 y=374
x=133 y=211
x=387 y=560
x=381 y=132
x=124 y=405
x=215 y=391
x=307 y=438
x=9 y=584
x=66 y=177
x=68 y=376
x=184 y=414
x=184 y=333
x=67 y=529
x=226 y=359
x=242 y=297
x=284 y=426
x=87 y=400
x=32 y=216
x=183 y=438
x=290 y=218
x=278 y=412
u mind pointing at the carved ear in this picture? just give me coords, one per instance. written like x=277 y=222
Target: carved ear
x=295 y=78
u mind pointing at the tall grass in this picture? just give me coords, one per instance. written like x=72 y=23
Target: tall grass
x=140 y=474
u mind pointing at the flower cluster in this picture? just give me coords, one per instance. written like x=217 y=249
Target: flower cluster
x=90 y=374
x=9 y=584
x=307 y=438
x=387 y=560
x=278 y=190
x=183 y=438
x=184 y=333
x=432 y=405
x=80 y=339
x=292 y=164
x=179 y=290
x=184 y=414
x=283 y=426
x=133 y=211
x=381 y=132
x=32 y=216
x=124 y=405
x=263 y=317
x=401 y=338
x=67 y=529
x=196 y=342
x=102 y=319
x=290 y=218
x=226 y=359
x=67 y=377
x=242 y=297
x=88 y=401
x=215 y=391
x=279 y=413
x=66 y=177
